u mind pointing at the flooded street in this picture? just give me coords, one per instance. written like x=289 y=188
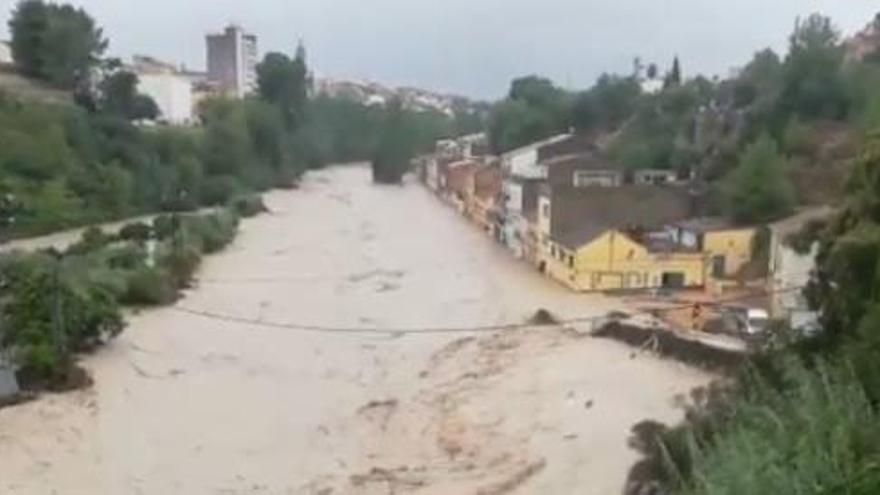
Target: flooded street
x=184 y=404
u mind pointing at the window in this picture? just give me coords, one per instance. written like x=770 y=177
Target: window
x=587 y=178
x=545 y=210
x=571 y=261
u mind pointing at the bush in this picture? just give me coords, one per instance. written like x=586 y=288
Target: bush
x=92 y=239
x=149 y=287
x=125 y=257
x=136 y=232
x=219 y=190
x=212 y=232
x=181 y=264
x=41 y=297
x=164 y=226
x=248 y=206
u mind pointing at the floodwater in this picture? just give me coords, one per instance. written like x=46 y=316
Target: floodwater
x=187 y=404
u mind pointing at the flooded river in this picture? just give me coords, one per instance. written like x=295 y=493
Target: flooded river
x=185 y=404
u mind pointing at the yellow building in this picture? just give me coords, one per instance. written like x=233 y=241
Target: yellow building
x=728 y=247
x=614 y=238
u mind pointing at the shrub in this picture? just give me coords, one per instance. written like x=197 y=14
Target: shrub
x=164 y=226
x=219 y=190
x=248 y=206
x=125 y=257
x=212 y=232
x=49 y=312
x=92 y=239
x=149 y=287
x=181 y=264
x=136 y=232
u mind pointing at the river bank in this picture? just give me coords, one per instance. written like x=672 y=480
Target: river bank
x=189 y=405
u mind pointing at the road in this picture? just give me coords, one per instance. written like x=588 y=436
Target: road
x=184 y=404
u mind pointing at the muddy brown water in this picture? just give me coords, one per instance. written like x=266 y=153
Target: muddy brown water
x=184 y=404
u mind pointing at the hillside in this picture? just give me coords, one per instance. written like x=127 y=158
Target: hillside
x=28 y=89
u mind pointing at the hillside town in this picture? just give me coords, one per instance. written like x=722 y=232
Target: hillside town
x=649 y=279
x=563 y=208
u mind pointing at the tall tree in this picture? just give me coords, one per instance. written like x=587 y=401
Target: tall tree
x=58 y=43
x=758 y=190
x=673 y=79
x=119 y=96
x=285 y=82
x=813 y=85
x=28 y=26
x=395 y=148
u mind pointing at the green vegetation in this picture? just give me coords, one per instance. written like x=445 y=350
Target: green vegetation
x=806 y=417
x=62 y=166
x=58 y=43
x=54 y=305
x=757 y=189
x=812 y=103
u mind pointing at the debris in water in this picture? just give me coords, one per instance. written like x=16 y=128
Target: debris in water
x=543 y=317
x=518 y=479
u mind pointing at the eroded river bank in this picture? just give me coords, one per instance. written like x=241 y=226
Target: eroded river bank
x=184 y=404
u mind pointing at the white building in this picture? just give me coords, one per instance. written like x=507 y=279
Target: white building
x=790 y=270
x=169 y=88
x=523 y=162
x=521 y=169
x=232 y=60
x=5 y=53
x=173 y=95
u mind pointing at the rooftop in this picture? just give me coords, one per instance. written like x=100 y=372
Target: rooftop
x=582 y=161
x=578 y=216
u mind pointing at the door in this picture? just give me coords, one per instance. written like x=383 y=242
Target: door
x=673 y=280
x=719 y=266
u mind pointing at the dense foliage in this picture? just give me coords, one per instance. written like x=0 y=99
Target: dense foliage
x=56 y=304
x=55 y=42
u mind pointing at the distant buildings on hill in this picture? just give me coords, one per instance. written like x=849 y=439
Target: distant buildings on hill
x=371 y=93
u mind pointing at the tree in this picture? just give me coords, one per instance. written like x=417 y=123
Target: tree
x=119 y=96
x=534 y=109
x=758 y=190
x=813 y=83
x=395 y=148
x=673 y=79
x=285 y=82
x=28 y=26
x=58 y=43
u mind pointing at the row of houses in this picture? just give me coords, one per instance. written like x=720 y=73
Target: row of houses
x=563 y=207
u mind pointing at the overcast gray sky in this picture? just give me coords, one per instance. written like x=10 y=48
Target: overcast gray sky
x=472 y=47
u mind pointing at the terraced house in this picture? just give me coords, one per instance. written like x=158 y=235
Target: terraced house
x=600 y=238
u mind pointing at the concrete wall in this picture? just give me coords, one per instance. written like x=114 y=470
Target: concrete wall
x=790 y=270
x=524 y=163
x=734 y=245
x=172 y=93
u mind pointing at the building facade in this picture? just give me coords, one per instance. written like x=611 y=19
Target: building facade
x=729 y=247
x=232 y=61
x=790 y=270
x=613 y=238
x=169 y=88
